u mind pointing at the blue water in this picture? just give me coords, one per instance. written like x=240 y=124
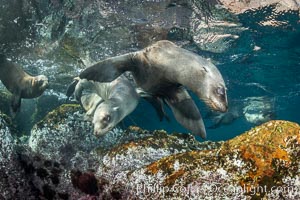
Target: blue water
x=271 y=73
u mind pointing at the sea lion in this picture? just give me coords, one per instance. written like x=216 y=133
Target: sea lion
x=106 y=104
x=258 y=110
x=164 y=70
x=20 y=83
x=220 y=119
x=89 y=102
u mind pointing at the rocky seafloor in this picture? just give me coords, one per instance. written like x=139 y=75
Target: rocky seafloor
x=62 y=159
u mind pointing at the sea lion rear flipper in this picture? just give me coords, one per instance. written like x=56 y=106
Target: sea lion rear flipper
x=185 y=110
x=71 y=88
x=109 y=69
x=82 y=85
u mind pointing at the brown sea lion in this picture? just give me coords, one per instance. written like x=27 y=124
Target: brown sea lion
x=164 y=70
x=19 y=83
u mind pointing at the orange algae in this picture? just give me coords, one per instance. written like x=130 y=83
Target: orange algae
x=153 y=168
x=260 y=147
x=265 y=151
x=170 y=180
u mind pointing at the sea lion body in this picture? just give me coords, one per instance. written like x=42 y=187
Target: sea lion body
x=221 y=119
x=166 y=65
x=164 y=70
x=258 y=110
x=119 y=101
x=108 y=103
x=90 y=102
x=19 y=83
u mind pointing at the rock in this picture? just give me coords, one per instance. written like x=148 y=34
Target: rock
x=7 y=151
x=258 y=163
x=25 y=174
x=261 y=163
x=144 y=149
x=136 y=164
x=62 y=164
x=16 y=19
x=48 y=179
x=61 y=134
x=269 y=154
x=13 y=183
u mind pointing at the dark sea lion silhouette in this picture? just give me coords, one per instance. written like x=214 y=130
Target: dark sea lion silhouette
x=164 y=70
x=19 y=83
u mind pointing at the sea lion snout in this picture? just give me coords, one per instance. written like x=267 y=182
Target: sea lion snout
x=215 y=97
x=219 y=99
x=222 y=107
x=42 y=81
x=103 y=120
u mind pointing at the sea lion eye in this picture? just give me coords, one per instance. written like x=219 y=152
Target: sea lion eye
x=221 y=91
x=106 y=118
x=40 y=81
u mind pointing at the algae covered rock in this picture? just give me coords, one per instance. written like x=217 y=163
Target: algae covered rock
x=145 y=148
x=136 y=163
x=65 y=161
x=261 y=163
x=13 y=184
x=6 y=142
x=25 y=174
x=62 y=133
x=80 y=158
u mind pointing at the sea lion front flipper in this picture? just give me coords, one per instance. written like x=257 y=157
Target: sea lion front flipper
x=185 y=110
x=109 y=69
x=15 y=103
x=156 y=102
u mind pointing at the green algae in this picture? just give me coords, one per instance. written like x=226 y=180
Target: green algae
x=58 y=115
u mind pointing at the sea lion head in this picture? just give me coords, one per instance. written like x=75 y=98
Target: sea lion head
x=40 y=83
x=105 y=118
x=213 y=90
